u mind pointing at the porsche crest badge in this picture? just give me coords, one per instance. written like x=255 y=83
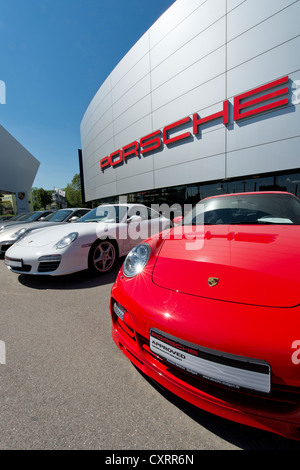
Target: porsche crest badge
x=213 y=281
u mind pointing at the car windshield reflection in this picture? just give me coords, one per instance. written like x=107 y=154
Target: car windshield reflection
x=58 y=216
x=107 y=214
x=246 y=209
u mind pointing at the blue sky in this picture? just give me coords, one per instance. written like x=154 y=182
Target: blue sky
x=54 y=56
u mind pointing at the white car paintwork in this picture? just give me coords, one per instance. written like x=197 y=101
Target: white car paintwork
x=74 y=257
x=8 y=235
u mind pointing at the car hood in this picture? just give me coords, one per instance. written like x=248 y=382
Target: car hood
x=11 y=229
x=250 y=265
x=87 y=232
x=52 y=234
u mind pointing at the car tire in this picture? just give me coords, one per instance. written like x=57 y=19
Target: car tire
x=103 y=256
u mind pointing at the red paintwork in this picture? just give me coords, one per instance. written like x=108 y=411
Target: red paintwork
x=253 y=311
x=237 y=256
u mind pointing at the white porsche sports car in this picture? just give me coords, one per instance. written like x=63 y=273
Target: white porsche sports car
x=11 y=233
x=94 y=242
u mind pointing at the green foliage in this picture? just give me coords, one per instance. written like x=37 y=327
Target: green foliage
x=42 y=198
x=73 y=192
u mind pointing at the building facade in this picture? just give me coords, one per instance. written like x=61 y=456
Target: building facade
x=18 y=171
x=206 y=102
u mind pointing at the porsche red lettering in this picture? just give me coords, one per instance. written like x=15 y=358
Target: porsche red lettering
x=104 y=162
x=169 y=140
x=221 y=114
x=150 y=142
x=244 y=105
x=115 y=158
x=131 y=150
x=240 y=104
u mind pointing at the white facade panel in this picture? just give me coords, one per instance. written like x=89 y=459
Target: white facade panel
x=197 y=49
x=98 y=191
x=196 y=148
x=18 y=166
x=173 y=17
x=192 y=27
x=232 y=4
x=284 y=124
x=133 y=114
x=263 y=69
x=185 y=173
x=200 y=99
x=132 y=77
x=129 y=63
x=198 y=54
x=198 y=73
x=143 y=182
x=274 y=156
x=260 y=39
x=135 y=94
x=134 y=131
x=101 y=94
x=252 y=13
x=105 y=138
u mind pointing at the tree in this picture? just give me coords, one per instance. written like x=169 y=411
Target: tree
x=42 y=198
x=73 y=192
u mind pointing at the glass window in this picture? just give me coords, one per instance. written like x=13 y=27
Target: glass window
x=290 y=182
x=58 y=216
x=152 y=214
x=107 y=214
x=246 y=209
x=140 y=211
x=193 y=193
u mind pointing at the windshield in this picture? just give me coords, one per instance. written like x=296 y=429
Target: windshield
x=107 y=214
x=58 y=216
x=246 y=209
x=34 y=216
x=19 y=216
x=25 y=216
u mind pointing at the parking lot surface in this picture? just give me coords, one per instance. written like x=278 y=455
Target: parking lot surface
x=65 y=385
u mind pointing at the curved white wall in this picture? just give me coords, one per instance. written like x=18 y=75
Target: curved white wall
x=18 y=166
x=197 y=55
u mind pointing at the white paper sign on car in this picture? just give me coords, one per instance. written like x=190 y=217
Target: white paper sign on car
x=229 y=370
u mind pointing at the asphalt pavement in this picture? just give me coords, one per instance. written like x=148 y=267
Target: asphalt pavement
x=64 y=385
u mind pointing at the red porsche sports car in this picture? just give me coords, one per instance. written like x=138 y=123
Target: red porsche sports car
x=211 y=309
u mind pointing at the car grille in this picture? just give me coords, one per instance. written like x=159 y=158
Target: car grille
x=48 y=266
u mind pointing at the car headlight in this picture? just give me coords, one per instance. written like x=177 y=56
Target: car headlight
x=67 y=240
x=18 y=234
x=136 y=260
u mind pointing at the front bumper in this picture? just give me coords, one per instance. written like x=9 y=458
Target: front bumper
x=278 y=411
x=35 y=261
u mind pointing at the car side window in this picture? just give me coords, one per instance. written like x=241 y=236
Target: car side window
x=140 y=211
x=79 y=213
x=152 y=214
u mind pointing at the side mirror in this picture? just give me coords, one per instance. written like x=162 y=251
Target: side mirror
x=134 y=218
x=73 y=219
x=177 y=220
